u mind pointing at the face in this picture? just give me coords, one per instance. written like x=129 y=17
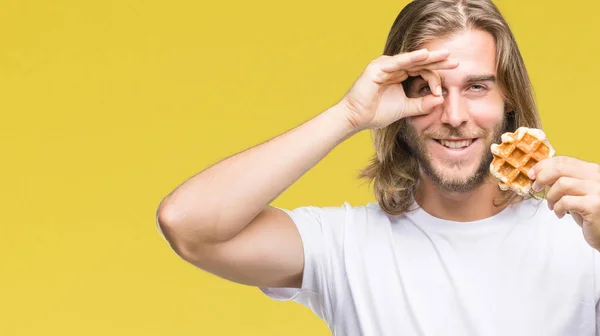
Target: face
x=452 y=143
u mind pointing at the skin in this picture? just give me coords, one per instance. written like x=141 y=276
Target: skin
x=456 y=185
x=221 y=221
x=574 y=188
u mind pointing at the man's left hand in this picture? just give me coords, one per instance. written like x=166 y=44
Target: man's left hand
x=575 y=189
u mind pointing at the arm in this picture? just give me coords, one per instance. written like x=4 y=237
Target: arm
x=220 y=219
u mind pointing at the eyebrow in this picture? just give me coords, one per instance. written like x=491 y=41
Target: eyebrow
x=480 y=78
x=472 y=79
x=476 y=79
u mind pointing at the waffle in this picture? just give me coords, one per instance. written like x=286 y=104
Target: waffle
x=518 y=152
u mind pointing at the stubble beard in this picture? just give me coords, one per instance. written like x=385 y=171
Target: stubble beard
x=416 y=144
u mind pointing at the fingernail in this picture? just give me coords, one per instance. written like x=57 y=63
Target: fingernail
x=531 y=173
x=536 y=187
x=438 y=90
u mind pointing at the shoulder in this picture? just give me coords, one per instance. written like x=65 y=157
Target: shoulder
x=339 y=222
x=343 y=214
x=562 y=233
x=537 y=210
x=563 y=242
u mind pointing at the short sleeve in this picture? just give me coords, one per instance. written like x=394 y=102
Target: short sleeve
x=321 y=231
x=597 y=289
x=597 y=320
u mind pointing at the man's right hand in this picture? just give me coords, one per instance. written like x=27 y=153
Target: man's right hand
x=377 y=98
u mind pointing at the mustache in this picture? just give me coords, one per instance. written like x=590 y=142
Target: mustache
x=443 y=133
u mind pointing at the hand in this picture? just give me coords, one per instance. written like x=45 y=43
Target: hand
x=377 y=98
x=575 y=189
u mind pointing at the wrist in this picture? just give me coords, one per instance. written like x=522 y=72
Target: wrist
x=340 y=119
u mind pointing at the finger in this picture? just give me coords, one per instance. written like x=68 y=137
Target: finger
x=567 y=186
x=419 y=57
x=441 y=65
x=400 y=61
x=434 y=57
x=397 y=77
x=402 y=74
x=433 y=80
x=390 y=77
x=422 y=105
x=429 y=102
x=547 y=171
x=570 y=203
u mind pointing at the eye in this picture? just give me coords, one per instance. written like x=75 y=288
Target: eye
x=425 y=90
x=477 y=87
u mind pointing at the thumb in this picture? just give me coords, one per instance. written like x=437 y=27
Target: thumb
x=423 y=105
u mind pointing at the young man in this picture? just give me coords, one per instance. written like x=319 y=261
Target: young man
x=444 y=251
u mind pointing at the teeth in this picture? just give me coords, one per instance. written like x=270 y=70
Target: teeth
x=456 y=144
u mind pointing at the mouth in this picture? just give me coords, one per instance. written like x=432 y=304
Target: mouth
x=456 y=144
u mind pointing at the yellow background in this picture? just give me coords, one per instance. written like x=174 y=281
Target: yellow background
x=108 y=105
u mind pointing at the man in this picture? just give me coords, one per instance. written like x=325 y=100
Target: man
x=444 y=251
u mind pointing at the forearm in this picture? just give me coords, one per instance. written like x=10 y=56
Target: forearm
x=216 y=204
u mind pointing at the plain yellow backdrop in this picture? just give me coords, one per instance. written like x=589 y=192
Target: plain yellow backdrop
x=109 y=105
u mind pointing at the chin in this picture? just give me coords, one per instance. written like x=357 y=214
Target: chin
x=456 y=173
x=457 y=163
x=457 y=176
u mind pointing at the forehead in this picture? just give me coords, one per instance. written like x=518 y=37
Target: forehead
x=475 y=50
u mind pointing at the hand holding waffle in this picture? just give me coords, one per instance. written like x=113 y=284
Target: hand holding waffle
x=516 y=155
x=526 y=161
x=575 y=189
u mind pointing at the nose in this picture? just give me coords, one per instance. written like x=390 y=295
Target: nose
x=454 y=111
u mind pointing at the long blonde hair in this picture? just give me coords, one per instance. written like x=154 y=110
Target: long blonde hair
x=393 y=170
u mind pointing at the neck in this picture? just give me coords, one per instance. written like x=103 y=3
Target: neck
x=461 y=207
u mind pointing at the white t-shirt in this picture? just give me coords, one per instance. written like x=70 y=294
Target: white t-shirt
x=521 y=272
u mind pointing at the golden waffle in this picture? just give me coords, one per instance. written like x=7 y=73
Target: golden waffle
x=518 y=152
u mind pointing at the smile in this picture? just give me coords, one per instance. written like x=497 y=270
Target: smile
x=455 y=144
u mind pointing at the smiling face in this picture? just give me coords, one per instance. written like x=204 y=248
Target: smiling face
x=452 y=143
